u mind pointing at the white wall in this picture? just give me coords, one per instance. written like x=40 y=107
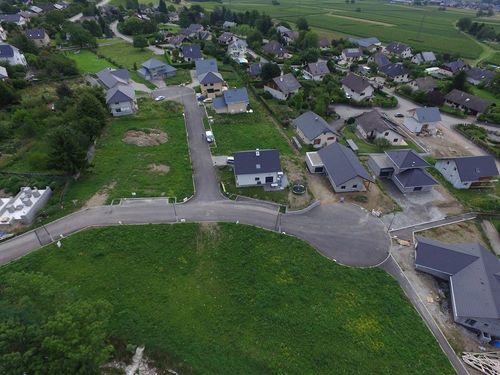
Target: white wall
x=275 y=93
x=249 y=179
x=355 y=184
x=366 y=94
x=448 y=169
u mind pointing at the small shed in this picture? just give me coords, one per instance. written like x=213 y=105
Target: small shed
x=352 y=145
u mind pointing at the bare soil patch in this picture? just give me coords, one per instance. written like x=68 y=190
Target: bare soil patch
x=296 y=173
x=159 y=168
x=145 y=137
x=466 y=231
x=100 y=198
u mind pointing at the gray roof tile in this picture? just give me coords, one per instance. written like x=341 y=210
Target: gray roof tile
x=472 y=168
x=355 y=82
x=312 y=125
x=247 y=162
x=406 y=159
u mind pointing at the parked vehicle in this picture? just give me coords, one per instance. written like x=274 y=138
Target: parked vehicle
x=209 y=136
x=159 y=98
x=230 y=160
x=399 y=115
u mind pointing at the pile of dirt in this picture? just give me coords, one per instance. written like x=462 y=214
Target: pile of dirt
x=159 y=168
x=145 y=137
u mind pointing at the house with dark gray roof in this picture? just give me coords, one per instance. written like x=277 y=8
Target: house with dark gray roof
x=373 y=125
x=469 y=171
x=342 y=167
x=466 y=102
x=473 y=273
x=370 y=44
x=191 y=52
x=275 y=49
x=193 y=30
x=399 y=49
x=154 y=69
x=38 y=36
x=477 y=76
x=423 y=58
x=18 y=19
x=282 y=87
x=380 y=59
x=288 y=35
x=405 y=168
x=232 y=101
x=225 y=38
x=316 y=71
x=11 y=55
x=324 y=43
x=255 y=69
x=259 y=168
x=423 y=119
x=356 y=87
x=350 y=55
x=313 y=130
x=205 y=66
x=109 y=78
x=396 y=72
x=121 y=100
x=211 y=81
x=453 y=67
x=425 y=84
x=176 y=40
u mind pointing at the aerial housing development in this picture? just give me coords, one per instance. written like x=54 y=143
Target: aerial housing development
x=260 y=187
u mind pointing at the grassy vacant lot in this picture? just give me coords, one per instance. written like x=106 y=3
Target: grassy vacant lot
x=233 y=299
x=89 y=62
x=422 y=27
x=181 y=76
x=124 y=54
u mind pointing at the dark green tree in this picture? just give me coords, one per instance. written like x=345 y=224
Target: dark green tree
x=302 y=24
x=7 y=94
x=68 y=149
x=464 y=23
x=269 y=71
x=140 y=42
x=459 y=81
x=162 y=7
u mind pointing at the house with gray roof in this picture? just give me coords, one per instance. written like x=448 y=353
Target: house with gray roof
x=255 y=69
x=237 y=50
x=316 y=71
x=424 y=119
x=191 y=52
x=476 y=76
x=205 y=66
x=473 y=273
x=425 y=84
x=289 y=36
x=373 y=125
x=356 y=87
x=342 y=167
x=349 y=55
x=154 y=69
x=453 y=67
x=109 y=78
x=11 y=55
x=211 y=81
x=469 y=171
x=259 y=168
x=371 y=44
x=324 y=43
x=405 y=168
x=282 y=87
x=399 y=49
x=121 y=100
x=3 y=73
x=423 y=58
x=313 y=130
x=396 y=72
x=380 y=59
x=176 y=40
x=466 y=102
x=18 y=19
x=38 y=36
x=232 y=101
x=193 y=30
x=225 y=38
x=275 y=49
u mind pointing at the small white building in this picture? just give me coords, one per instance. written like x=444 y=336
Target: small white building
x=22 y=208
x=357 y=88
x=259 y=168
x=469 y=171
x=423 y=119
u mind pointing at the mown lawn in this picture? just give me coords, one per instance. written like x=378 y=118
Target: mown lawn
x=123 y=53
x=181 y=76
x=233 y=299
x=89 y=62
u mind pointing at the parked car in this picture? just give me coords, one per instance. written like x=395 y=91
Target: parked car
x=209 y=136
x=160 y=98
x=230 y=160
x=207 y=100
x=399 y=115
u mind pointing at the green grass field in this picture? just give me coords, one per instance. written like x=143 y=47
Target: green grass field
x=123 y=53
x=89 y=62
x=233 y=299
x=422 y=27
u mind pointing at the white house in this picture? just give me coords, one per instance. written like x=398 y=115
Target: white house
x=312 y=129
x=121 y=100
x=237 y=50
x=357 y=88
x=3 y=73
x=259 y=168
x=316 y=71
x=399 y=49
x=11 y=55
x=282 y=87
x=469 y=171
x=373 y=125
x=350 y=55
x=423 y=119
x=22 y=208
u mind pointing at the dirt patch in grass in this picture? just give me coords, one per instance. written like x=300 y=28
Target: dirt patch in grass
x=449 y=205
x=296 y=174
x=100 y=198
x=466 y=231
x=159 y=168
x=145 y=137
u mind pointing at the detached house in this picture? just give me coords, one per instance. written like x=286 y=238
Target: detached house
x=121 y=100
x=38 y=36
x=324 y=43
x=405 y=168
x=466 y=102
x=357 y=88
x=274 y=48
x=473 y=274
x=237 y=50
x=288 y=35
x=255 y=69
x=423 y=119
x=11 y=55
x=373 y=125
x=191 y=52
x=425 y=84
x=193 y=31
x=154 y=69
x=232 y=101
x=282 y=87
x=259 y=168
x=380 y=59
x=469 y=171
x=423 y=58
x=476 y=76
x=211 y=81
x=225 y=38
x=109 y=78
x=399 y=49
x=18 y=19
x=396 y=72
x=312 y=129
x=369 y=44
x=453 y=67
x=350 y=55
x=316 y=71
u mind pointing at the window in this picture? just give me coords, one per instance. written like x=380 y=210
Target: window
x=343 y=187
x=257 y=178
x=386 y=134
x=355 y=186
x=418 y=188
x=330 y=139
x=269 y=179
x=470 y=322
x=395 y=140
x=118 y=110
x=455 y=168
x=317 y=141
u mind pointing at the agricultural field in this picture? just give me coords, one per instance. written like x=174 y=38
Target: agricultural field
x=423 y=27
x=235 y=299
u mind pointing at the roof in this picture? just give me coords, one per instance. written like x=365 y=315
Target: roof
x=236 y=95
x=324 y=42
x=425 y=57
x=474 y=274
x=247 y=162
x=427 y=114
x=282 y=29
x=193 y=28
x=312 y=125
x=467 y=100
x=228 y=24
x=120 y=93
x=415 y=177
x=425 y=83
x=6 y=50
x=225 y=37
x=210 y=77
x=479 y=74
x=112 y=77
x=35 y=33
x=205 y=66
x=255 y=69
x=192 y=51
x=397 y=48
x=366 y=42
x=394 y=70
x=3 y=72
x=239 y=43
x=177 y=39
x=275 y=48
x=375 y=121
x=153 y=64
x=380 y=59
x=341 y=164
x=352 y=52
x=455 y=66
x=472 y=168
x=405 y=159
x=318 y=68
x=287 y=83
x=355 y=82
x=10 y=17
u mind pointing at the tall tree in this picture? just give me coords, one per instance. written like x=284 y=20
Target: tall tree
x=302 y=24
x=459 y=81
x=269 y=71
x=140 y=42
x=162 y=7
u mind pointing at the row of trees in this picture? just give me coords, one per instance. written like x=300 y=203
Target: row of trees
x=479 y=29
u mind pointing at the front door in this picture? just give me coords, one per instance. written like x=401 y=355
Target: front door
x=269 y=180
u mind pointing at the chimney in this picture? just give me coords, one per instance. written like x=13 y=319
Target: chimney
x=257 y=152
